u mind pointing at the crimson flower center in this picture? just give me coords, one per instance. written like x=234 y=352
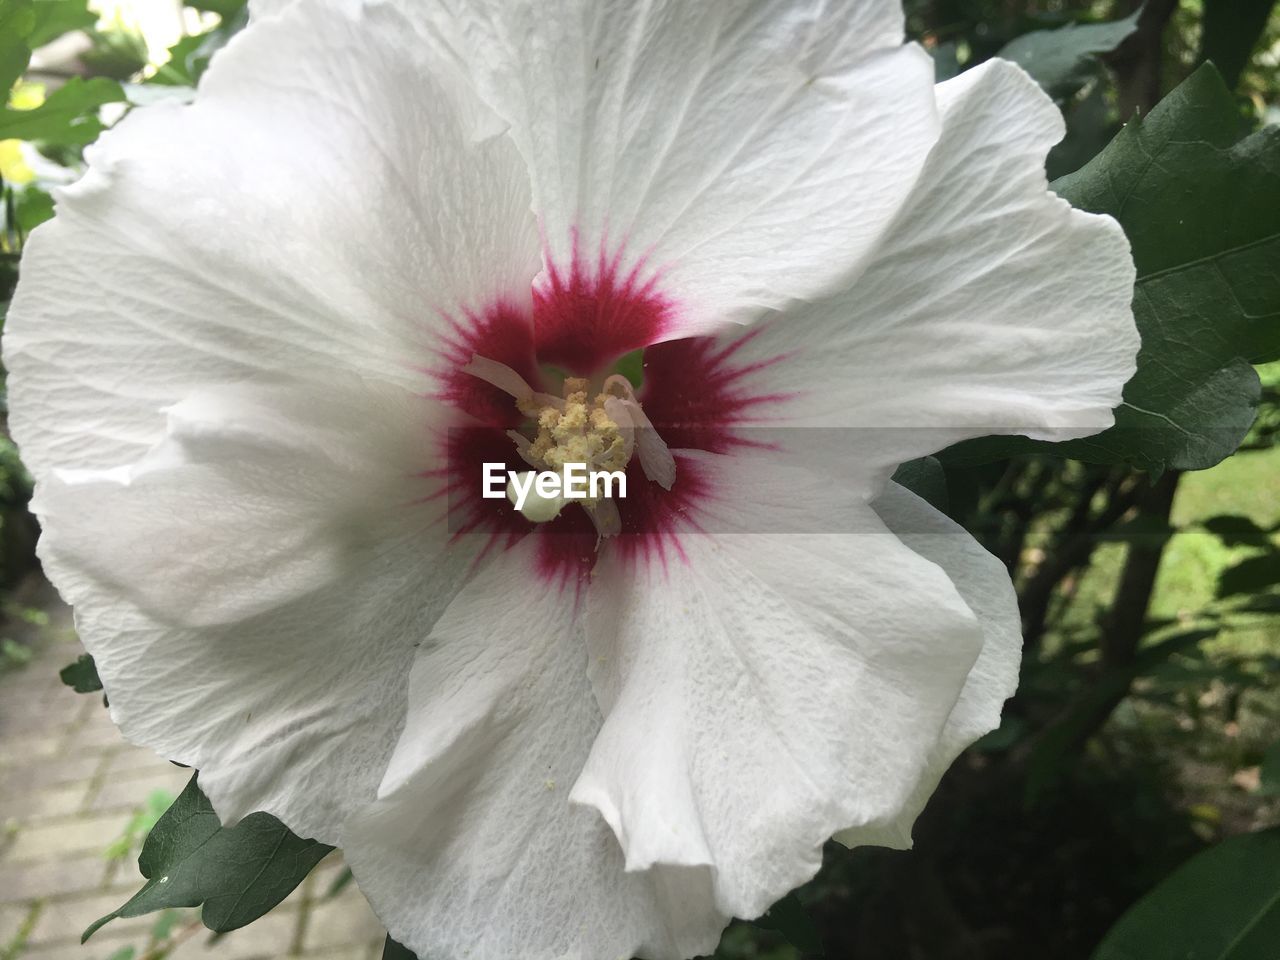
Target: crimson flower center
x=598 y=429
x=697 y=394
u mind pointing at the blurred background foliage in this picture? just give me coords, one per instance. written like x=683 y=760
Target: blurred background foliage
x=1147 y=726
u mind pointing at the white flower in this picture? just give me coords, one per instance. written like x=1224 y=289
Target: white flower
x=257 y=358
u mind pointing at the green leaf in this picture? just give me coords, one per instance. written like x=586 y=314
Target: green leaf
x=925 y=478
x=13 y=651
x=117 y=54
x=226 y=9
x=789 y=918
x=1269 y=774
x=1230 y=31
x=1236 y=531
x=140 y=825
x=56 y=17
x=238 y=873
x=162 y=929
x=631 y=366
x=1223 y=904
x=1062 y=61
x=1005 y=737
x=68 y=117
x=188 y=59
x=340 y=883
x=1250 y=576
x=393 y=951
x=1202 y=213
x=17 y=20
x=81 y=676
x=190 y=56
x=34 y=207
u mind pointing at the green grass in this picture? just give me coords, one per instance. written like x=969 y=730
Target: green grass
x=1247 y=484
x=1224 y=718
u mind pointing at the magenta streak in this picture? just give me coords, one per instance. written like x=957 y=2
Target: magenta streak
x=696 y=393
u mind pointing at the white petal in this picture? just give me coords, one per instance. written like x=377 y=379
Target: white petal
x=744 y=154
x=984 y=584
x=266 y=8
x=473 y=848
x=990 y=307
x=762 y=691
x=317 y=208
x=253 y=590
x=258 y=494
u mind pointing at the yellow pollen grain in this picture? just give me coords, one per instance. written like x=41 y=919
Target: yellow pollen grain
x=580 y=431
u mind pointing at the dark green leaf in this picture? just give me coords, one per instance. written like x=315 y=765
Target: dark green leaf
x=69 y=116
x=1221 y=905
x=789 y=918
x=1062 y=61
x=1202 y=212
x=1250 y=576
x=1230 y=31
x=925 y=478
x=1269 y=775
x=8 y=280
x=81 y=676
x=393 y=951
x=1236 y=531
x=238 y=873
x=1009 y=733
x=1267 y=603
x=56 y=17
x=17 y=20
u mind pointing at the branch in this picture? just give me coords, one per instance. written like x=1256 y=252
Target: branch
x=1137 y=62
x=1123 y=628
x=1073 y=548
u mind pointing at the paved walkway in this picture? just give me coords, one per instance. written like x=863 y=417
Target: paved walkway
x=70 y=787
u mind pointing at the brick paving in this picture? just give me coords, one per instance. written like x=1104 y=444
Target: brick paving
x=70 y=786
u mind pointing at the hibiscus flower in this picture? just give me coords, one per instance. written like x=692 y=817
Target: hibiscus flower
x=260 y=357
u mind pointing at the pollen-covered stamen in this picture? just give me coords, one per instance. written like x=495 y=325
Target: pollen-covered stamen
x=599 y=430
x=579 y=431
